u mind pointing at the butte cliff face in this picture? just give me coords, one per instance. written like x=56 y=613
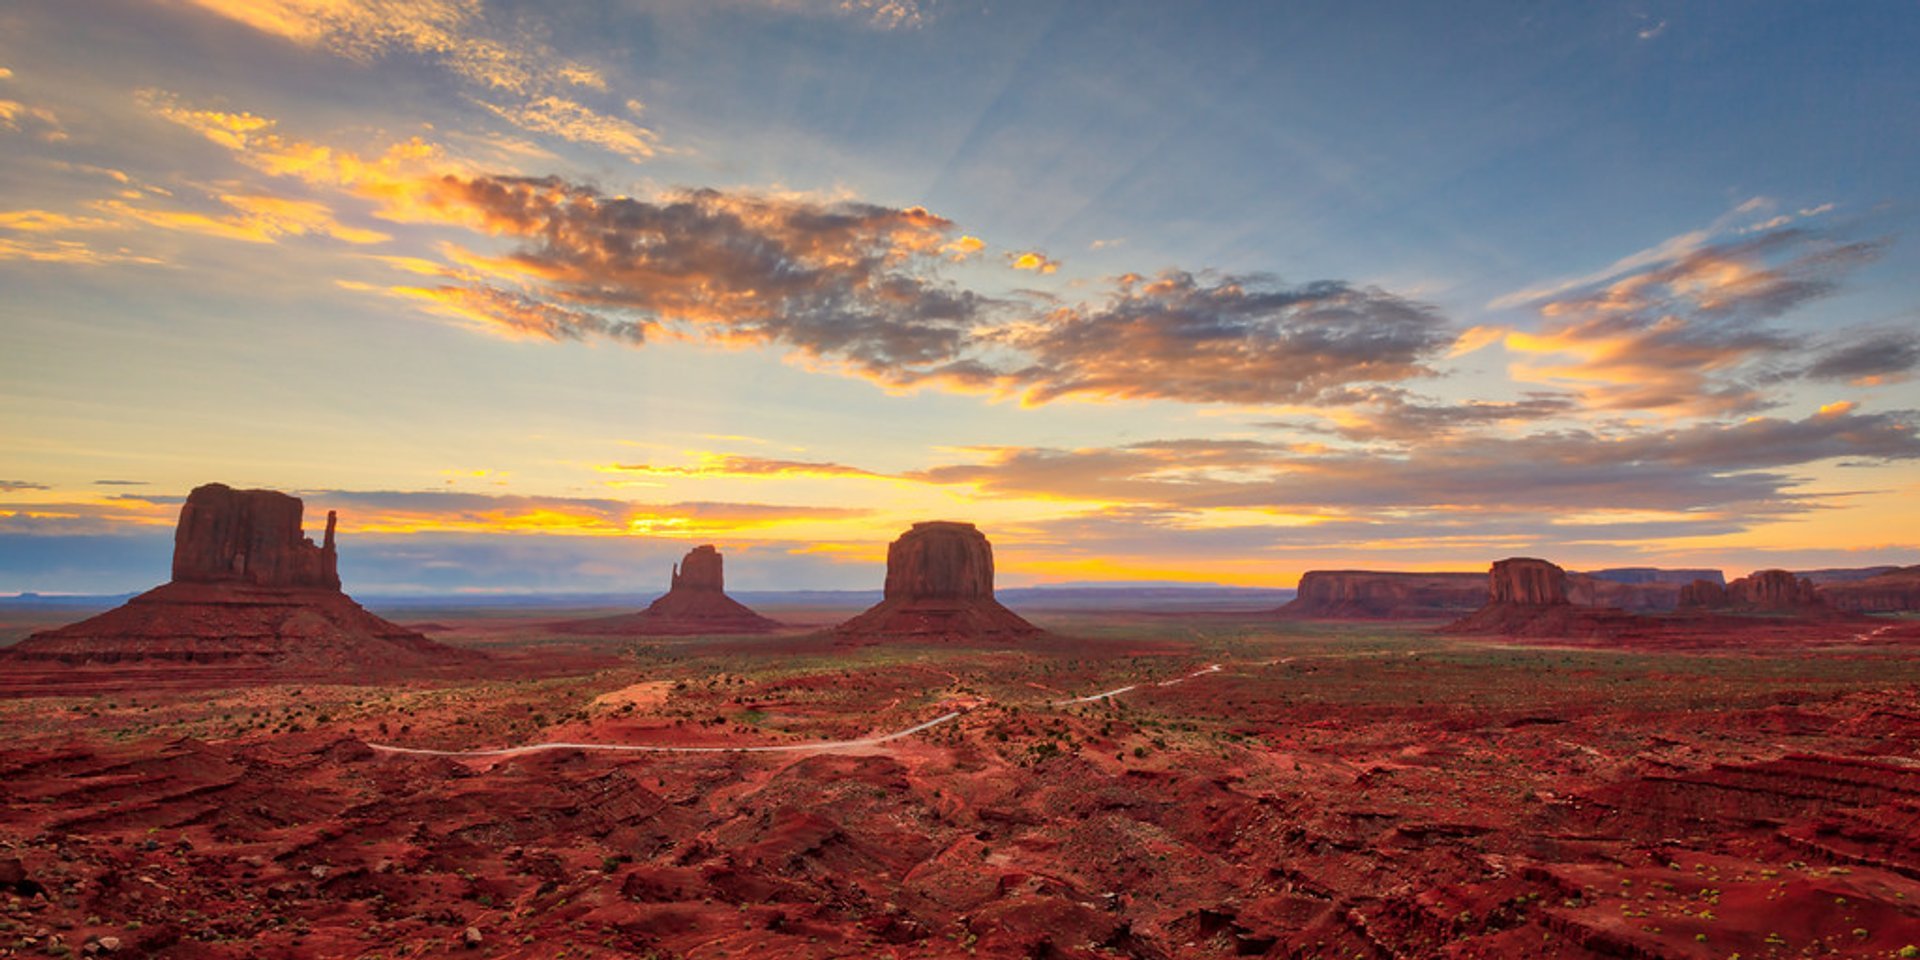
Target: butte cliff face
x=939 y=587
x=250 y=592
x=1763 y=591
x=1527 y=597
x=1773 y=590
x=252 y=537
x=696 y=603
x=1527 y=582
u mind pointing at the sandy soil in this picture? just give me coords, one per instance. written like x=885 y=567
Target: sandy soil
x=1149 y=787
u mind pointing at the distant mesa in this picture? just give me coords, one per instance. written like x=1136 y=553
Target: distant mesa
x=696 y=603
x=249 y=590
x=1528 y=597
x=1763 y=591
x=1381 y=595
x=1895 y=590
x=939 y=587
x=1634 y=589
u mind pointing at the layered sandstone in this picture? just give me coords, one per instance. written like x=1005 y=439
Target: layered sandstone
x=939 y=587
x=695 y=603
x=1527 y=597
x=1703 y=595
x=251 y=537
x=1895 y=591
x=250 y=590
x=1775 y=590
x=1380 y=595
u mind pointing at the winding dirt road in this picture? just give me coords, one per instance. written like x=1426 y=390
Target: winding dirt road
x=779 y=748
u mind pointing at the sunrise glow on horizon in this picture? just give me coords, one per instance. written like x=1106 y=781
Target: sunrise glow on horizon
x=537 y=297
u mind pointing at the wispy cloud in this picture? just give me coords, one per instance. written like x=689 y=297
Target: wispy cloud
x=512 y=75
x=1686 y=333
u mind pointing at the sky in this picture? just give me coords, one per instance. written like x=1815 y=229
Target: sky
x=538 y=296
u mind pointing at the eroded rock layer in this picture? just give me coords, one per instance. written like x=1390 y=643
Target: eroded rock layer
x=939 y=587
x=252 y=537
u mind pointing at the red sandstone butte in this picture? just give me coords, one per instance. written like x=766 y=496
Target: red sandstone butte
x=939 y=587
x=1773 y=590
x=1763 y=591
x=695 y=603
x=1895 y=591
x=249 y=590
x=1527 y=597
x=1380 y=595
x=1703 y=595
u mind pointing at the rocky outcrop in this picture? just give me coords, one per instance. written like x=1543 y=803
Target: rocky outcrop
x=1380 y=595
x=1526 y=582
x=1527 y=597
x=1772 y=590
x=939 y=587
x=249 y=591
x=695 y=604
x=1895 y=591
x=252 y=537
x=699 y=572
x=1703 y=595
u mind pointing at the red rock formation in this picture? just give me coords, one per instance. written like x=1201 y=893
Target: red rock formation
x=1703 y=595
x=1377 y=595
x=1895 y=591
x=695 y=604
x=1773 y=590
x=1528 y=598
x=939 y=587
x=249 y=590
x=1526 y=582
x=699 y=571
x=250 y=536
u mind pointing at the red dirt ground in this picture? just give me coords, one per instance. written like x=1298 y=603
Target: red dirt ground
x=1331 y=791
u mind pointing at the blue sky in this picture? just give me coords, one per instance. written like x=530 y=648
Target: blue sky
x=1208 y=291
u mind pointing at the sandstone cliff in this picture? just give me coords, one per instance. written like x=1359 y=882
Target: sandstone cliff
x=1380 y=595
x=250 y=591
x=939 y=587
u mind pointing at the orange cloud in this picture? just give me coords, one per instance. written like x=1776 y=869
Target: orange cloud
x=1033 y=260
x=256 y=219
x=718 y=466
x=456 y=35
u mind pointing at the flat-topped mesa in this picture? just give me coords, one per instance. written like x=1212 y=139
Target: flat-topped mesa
x=1385 y=595
x=699 y=571
x=1773 y=590
x=1527 y=582
x=251 y=537
x=1892 y=591
x=939 y=587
